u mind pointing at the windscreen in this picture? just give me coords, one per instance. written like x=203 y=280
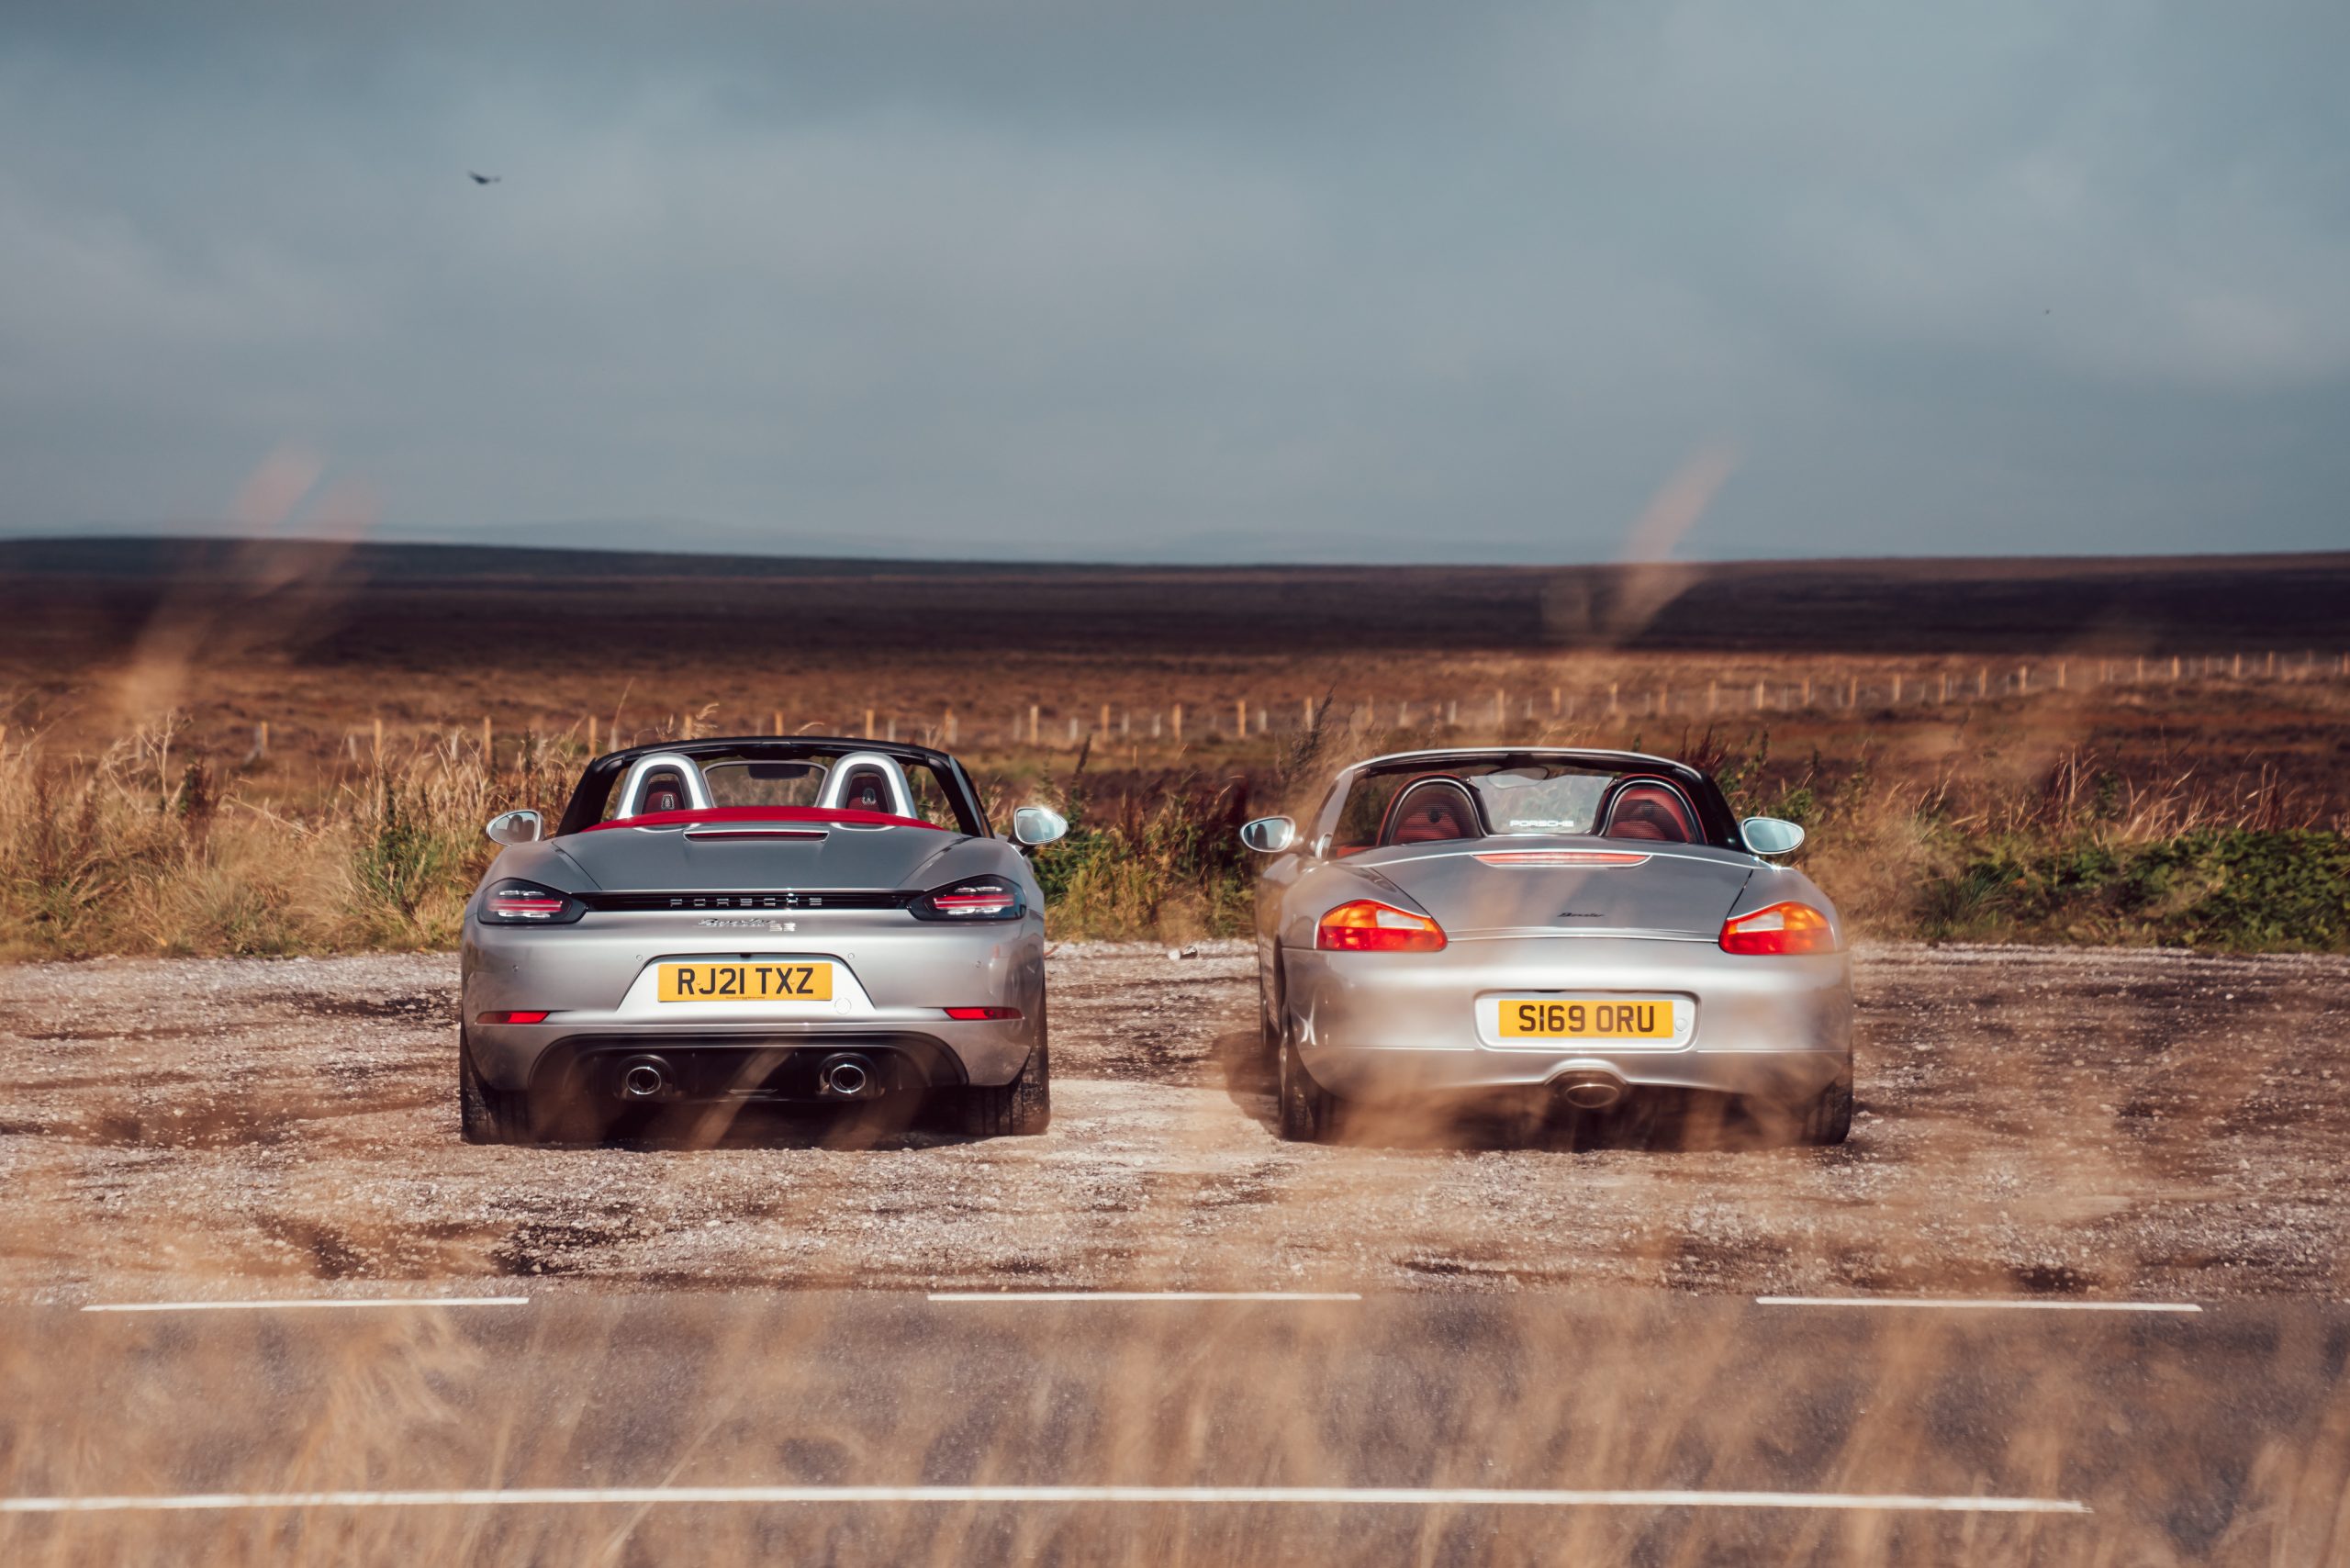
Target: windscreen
x=1422 y=801
x=807 y=779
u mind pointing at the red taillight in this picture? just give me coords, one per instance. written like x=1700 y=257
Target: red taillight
x=538 y=1017
x=1367 y=926
x=992 y=901
x=1561 y=857
x=982 y=898
x=1780 y=928
x=977 y=1015
x=526 y=906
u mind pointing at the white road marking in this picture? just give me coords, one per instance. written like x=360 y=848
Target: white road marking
x=311 y=1302
x=2018 y=1304
x=1244 y=1496
x=1144 y=1295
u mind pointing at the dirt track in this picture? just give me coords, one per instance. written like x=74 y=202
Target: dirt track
x=2038 y=1120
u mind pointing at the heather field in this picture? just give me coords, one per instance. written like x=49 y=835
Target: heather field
x=261 y=752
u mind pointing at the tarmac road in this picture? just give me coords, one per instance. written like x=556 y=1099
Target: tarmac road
x=1539 y=1427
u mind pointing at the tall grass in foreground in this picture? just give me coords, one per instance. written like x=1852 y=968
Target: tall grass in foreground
x=141 y=851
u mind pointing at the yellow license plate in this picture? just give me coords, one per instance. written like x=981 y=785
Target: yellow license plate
x=1590 y=1018
x=746 y=983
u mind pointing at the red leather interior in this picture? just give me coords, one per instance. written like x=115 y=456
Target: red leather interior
x=765 y=814
x=1654 y=812
x=1430 y=811
x=866 y=791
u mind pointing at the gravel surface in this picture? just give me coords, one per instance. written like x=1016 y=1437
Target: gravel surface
x=2068 y=1121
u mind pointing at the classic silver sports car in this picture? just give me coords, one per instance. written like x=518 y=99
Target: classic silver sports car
x=1590 y=923
x=713 y=921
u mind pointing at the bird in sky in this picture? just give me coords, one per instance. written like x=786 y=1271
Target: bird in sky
x=484 y=179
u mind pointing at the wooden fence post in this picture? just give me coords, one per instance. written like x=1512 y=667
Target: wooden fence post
x=1179 y=723
x=379 y=739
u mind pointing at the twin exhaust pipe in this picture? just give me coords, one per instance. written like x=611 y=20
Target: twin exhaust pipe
x=843 y=1075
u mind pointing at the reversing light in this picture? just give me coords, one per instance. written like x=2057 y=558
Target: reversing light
x=538 y=1017
x=514 y=903
x=1366 y=925
x=979 y=1014
x=982 y=898
x=1779 y=928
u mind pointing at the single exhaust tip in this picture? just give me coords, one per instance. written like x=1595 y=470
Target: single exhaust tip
x=645 y=1078
x=847 y=1076
x=1592 y=1091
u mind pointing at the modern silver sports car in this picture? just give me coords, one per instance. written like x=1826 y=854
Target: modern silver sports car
x=716 y=921
x=1587 y=923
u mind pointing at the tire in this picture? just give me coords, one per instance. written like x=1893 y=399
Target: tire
x=1308 y=1113
x=486 y=1114
x=1022 y=1108
x=1829 y=1120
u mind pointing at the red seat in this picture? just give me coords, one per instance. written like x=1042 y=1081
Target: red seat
x=1655 y=812
x=1430 y=811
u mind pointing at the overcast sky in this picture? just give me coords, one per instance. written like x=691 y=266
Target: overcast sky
x=1190 y=281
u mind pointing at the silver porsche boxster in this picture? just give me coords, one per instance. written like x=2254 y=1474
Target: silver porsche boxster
x=726 y=921
x=1587 y=924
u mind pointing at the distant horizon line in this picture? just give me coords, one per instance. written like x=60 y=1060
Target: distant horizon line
x=714 y=553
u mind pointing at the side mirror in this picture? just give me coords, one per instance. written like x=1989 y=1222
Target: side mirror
x=516 y=827
x=1769 y=835
x=1269 y=836
x=1037 y=826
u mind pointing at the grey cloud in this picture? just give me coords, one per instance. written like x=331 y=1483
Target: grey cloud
x=1308 y=282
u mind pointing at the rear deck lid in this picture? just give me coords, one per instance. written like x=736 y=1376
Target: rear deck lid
x=1566 y=886
x=737 y=857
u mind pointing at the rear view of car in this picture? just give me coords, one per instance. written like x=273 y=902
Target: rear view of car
x=1592 y=924
x=715 y=924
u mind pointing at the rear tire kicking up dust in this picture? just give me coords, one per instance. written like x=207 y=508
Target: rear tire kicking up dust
x=1022 y=1108
x=1308 y=1111
x=1829 y=1120
x=486 y=1114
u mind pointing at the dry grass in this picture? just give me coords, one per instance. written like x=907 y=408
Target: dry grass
x=1994 y=828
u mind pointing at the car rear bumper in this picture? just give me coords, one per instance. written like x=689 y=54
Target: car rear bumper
x=894 y=983
x=1369 y=1024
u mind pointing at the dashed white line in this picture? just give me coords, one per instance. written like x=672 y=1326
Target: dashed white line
x=305 y=1302
x=1143 y=1295
x=2019 y=1303
x=1240 y=1496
